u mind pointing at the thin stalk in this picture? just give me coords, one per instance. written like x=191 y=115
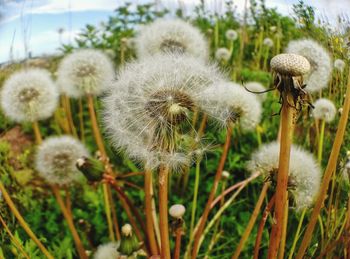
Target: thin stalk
x=178 y=233
x=163 y=211
x=331 y=166
x=81 y=120
x=13 y=238
x=251 y=222
x=284 y=231
x=68 y=110
x=114 y=214
x=297 y=234
x=194 y=201
x=212 y=193
x=108 y=211
x=287 y=127
x=148 y=212
x=320 y=142
x=69 y=219
x=261 y=227
x=22 y=222
x=38 y=137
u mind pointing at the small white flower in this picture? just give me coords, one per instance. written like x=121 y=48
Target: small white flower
x=231 y=35
x=177 y=211
x=268 y=42
x=222 y=54
x=229 y=102
x=339 y=65
x=56 y=159
x=29 y=95
x=258 y=90
x=107 y=251
x=304 y=173
x=164 y=36
x=324 y=110
x=86 y=71
x=320 y=61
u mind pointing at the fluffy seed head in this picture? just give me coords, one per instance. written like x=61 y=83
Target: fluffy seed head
x=56 y=160
x=304 y=172
x=222 y=54
x=86 y=71
x=290 y=65
x=319 y=59
x=339 y=65
x=151 y=102
x=324 y=110
x=29 y=95
x=174 y=36
x=230 y=103
x=107 y=251
x=177 y=211
x=231 y=35
x=268 y=42
x=257 y=88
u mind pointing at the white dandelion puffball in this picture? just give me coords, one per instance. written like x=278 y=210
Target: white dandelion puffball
x=177 y=211
x=257 y=89
x=107 y=251
x=339 y=65
x=268 y=42
x=304 y=173
x=29 y=95
x=164 y=36
x=222 y=54
x=320 y=61
x=56 y=159
x=231 y=35
x=229 y=102
x=85 y=71
x=152 y=97
x=324 y=110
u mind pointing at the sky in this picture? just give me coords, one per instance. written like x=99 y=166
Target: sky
x=36 y=22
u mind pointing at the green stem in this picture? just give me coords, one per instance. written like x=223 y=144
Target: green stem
x=320 y=142
x=194 y=202
x=297 y=234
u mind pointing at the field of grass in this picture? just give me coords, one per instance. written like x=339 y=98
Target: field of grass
x=152 y=126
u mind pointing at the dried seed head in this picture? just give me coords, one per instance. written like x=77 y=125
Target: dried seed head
x=290 y=65
x=177 y=211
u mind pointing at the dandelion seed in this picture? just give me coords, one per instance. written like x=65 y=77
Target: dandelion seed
x=222 y=54
x=56 y=160
x=304 y=173
x=339 y=65
x=324 y=110
x=29 y=95
x=83 y=72
x=319 y=59
x=174 y=36
x=231 y=103
x=231 y=35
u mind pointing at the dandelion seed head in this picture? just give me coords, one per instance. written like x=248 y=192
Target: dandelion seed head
x=174 y=36
x=290 y=65
x=230 y=103
x=56 y=160
x=319 y=59
x=177 y=211
x=222 y=54
x=29 y=95
x=324 y=110
x=258 y=88
x=339 y=65
x=85 y=71
x=268 y=42
x=127 y=230
x=231 y=35
x=107 y=251
x=304 y=173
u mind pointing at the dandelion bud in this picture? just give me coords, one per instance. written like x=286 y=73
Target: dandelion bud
x=129 y=243
x=177 y=211
x=225 y=175
x=127 y=230
x=92 y=169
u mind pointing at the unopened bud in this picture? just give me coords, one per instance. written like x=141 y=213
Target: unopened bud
x=92 y=169
x=177 y=211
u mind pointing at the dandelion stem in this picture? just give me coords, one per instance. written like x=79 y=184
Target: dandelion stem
x=38 y=137
x=261 y=226
x=320 y=142
x=330 y=169
x=297 y=234
x=81 y=120
x=287 y=128
x=178 y=233
x=284 y=230
x=195 y=197
x=212 y=193
x=163 y=211
x=251 y=222
x=69 y=219
x=13 y=238
x=22 y=222
x=148 y=212
x=68 y=110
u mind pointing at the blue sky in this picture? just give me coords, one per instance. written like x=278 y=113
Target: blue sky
x=36 y=22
